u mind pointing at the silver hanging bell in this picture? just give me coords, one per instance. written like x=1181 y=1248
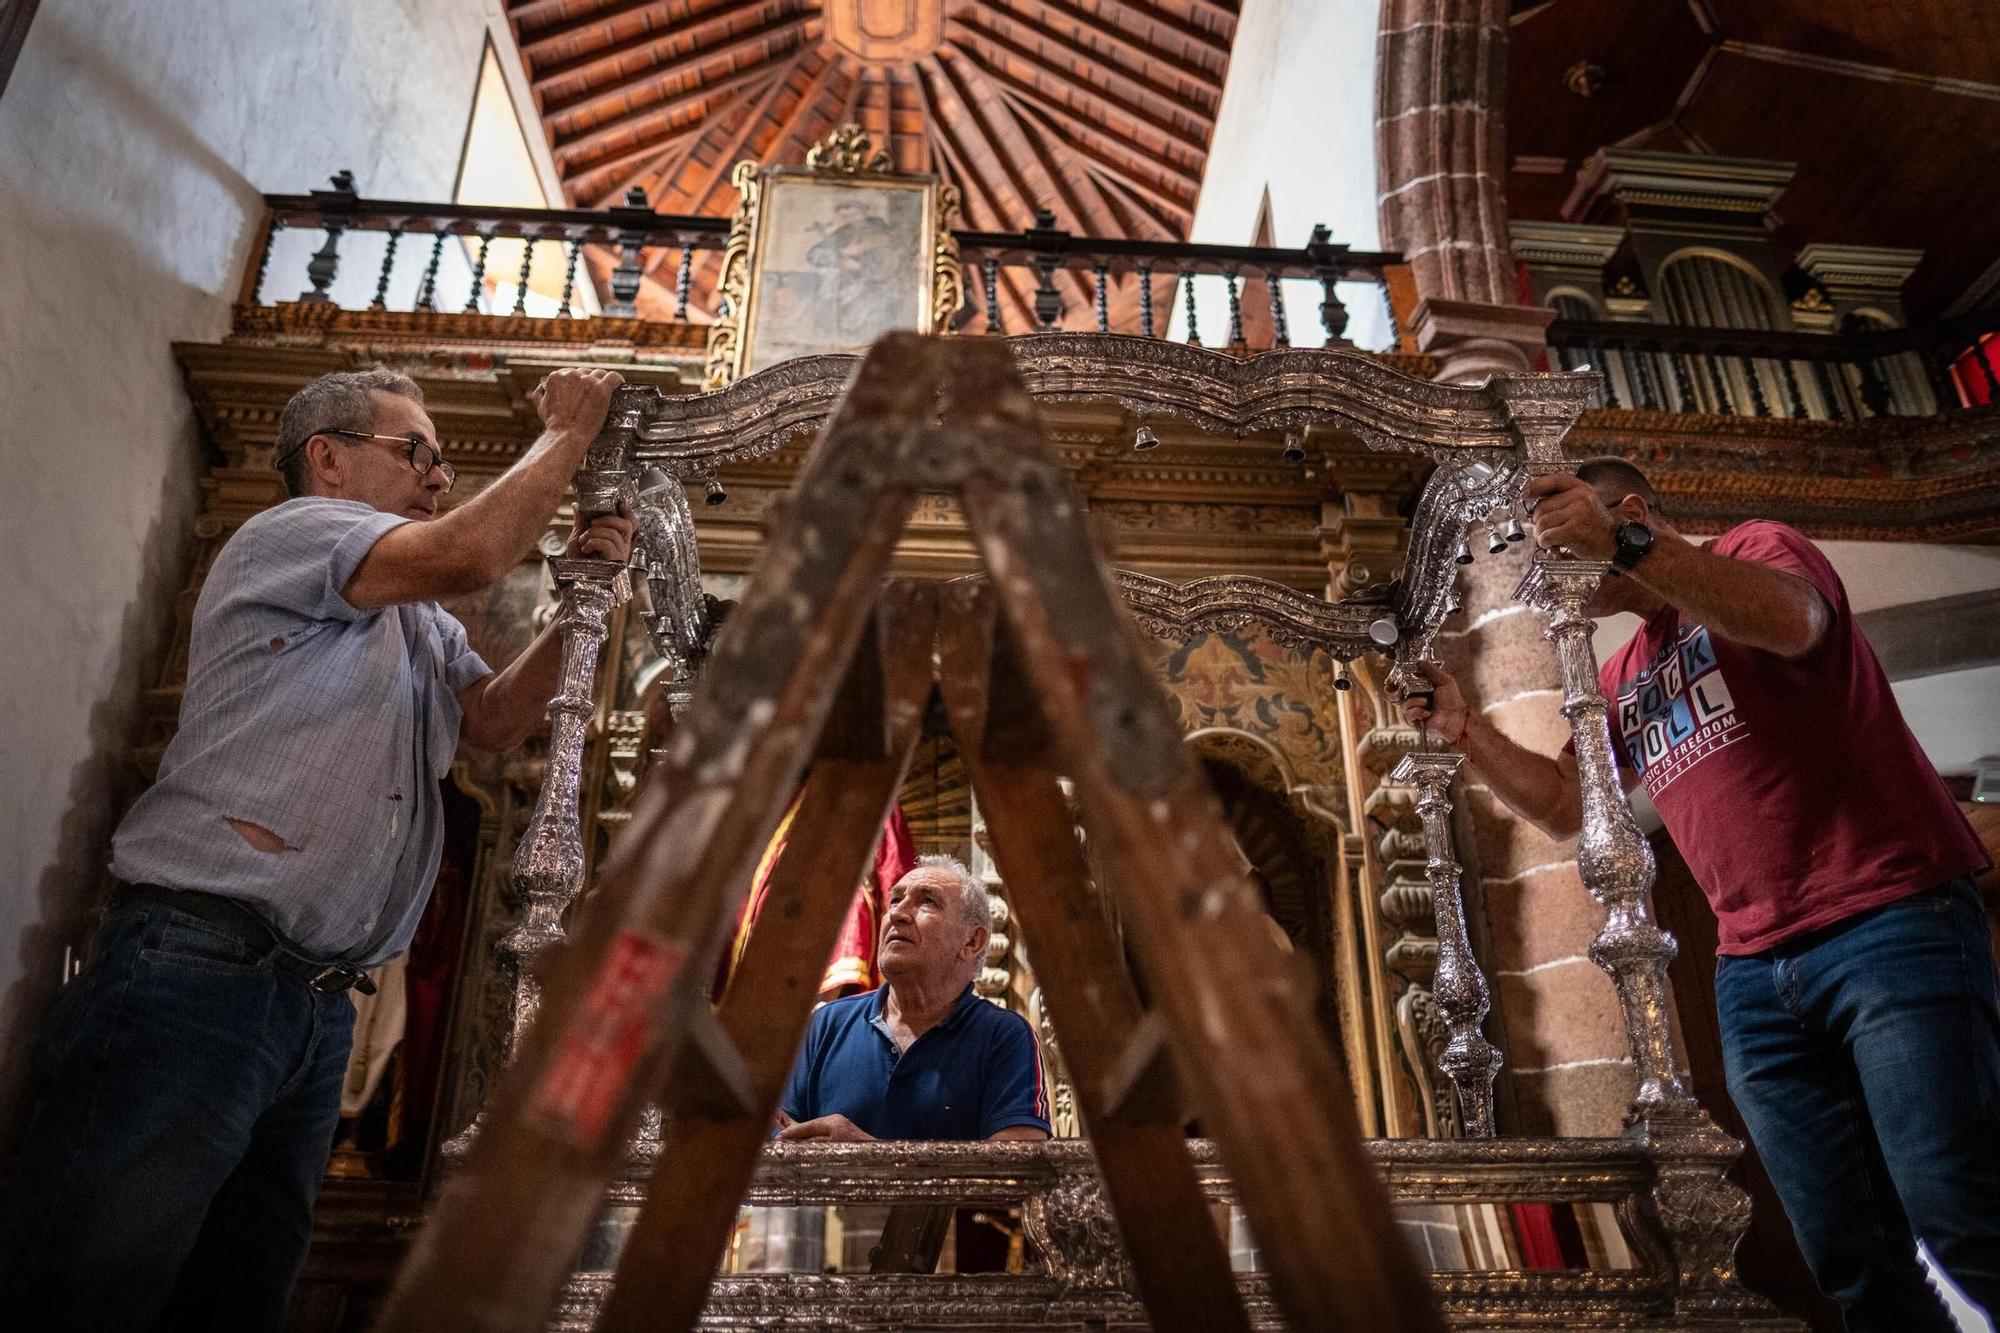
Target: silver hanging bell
x=1144 y=438
x=1295 y=447
x=1341 y=680
x=1495 y=543
x=1463 y=555
x=716 y=493
x=1514 y=533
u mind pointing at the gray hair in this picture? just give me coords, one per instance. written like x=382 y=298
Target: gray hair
x=973 y=900
x=339 y=401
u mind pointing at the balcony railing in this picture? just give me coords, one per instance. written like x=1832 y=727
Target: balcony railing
x=1845 y=376
x=398 y=255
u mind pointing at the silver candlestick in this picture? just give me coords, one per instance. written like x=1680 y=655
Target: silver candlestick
x=1469 y=1060
x=1612 y=856
x=549 y=862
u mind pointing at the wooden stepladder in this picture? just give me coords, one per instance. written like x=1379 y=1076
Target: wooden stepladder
x=1041 y=676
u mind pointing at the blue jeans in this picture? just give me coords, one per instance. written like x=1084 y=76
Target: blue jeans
x=1865 y=1059
x=187 y=1095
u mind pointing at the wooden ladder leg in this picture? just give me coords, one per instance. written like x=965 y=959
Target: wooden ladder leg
x=1239 y=1021
x=1177 y=1252
x=709 y=1147
x=622 y=998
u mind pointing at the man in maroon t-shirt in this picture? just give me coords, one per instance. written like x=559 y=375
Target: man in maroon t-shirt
x=1855 y=984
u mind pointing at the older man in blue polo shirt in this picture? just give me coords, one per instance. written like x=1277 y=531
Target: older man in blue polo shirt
x=923 y=1057
x=188 y=1081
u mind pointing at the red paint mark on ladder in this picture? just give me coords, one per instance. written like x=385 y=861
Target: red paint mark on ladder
x=594 y=1064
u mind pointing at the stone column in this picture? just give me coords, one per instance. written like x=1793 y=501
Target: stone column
x=1441 y=161
x=1557 y=1016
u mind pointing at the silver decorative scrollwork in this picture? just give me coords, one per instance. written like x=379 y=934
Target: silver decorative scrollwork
x=1509 y=418
x=1468 y=1059
x=1346 y=629
x=1612 y=856
x=1070 y=1223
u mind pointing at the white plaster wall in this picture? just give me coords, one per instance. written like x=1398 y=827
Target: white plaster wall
x=1298 y=115
x=135 y=137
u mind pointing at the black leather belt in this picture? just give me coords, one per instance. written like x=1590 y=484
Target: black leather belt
x=235 y=919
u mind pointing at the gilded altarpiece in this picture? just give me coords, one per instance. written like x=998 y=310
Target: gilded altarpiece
x=1260 y=706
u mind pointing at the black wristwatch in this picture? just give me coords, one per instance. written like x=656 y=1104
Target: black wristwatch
x=1635 y=541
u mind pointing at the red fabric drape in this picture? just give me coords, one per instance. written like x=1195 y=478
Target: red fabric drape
x=1974 y=385
x=852 y=963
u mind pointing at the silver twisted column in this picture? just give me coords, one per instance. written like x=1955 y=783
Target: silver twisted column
x=1612 y=856
x=1468 y=1060
x=549 y=862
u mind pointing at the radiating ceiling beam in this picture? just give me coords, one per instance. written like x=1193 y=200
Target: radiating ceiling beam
x=681 y=53
x=1159 y=16
x=600 y=196
x=973 y=182
x=673 y=16
x=661 y=115
x=1135 y=49
x=1032 y=31
x=1169 y=131
x=1132 y=150
x=725 y=161
x=960 y=82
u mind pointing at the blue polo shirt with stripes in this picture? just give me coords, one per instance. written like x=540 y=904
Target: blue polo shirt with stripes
x=974 y=1074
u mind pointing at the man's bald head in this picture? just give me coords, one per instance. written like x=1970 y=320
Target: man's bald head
x=1613 y=479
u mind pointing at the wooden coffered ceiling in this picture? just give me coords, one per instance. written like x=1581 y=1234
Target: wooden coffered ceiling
x=1099 y=111
x=1887 y=108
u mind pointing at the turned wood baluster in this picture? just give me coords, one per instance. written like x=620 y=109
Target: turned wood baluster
x=527 y=266
x=381 y=301
x=569 y=277
x=334 y=207
x=1146 y=299
x=1281 y=335
x=1194 y=329
x=478 y=273
x=1459 y=988
x=684 y=282
x=427 y=289
x=989 y=273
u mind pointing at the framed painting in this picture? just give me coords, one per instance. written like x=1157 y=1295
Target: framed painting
x=829 y=257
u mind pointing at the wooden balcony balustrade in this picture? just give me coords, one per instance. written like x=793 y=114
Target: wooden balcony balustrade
x=624 y=241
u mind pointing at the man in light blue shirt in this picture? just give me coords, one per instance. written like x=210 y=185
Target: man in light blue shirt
x=188 y=1081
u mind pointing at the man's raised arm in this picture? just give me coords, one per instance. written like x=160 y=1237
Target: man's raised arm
x=1540 y=789
x=474 y=545
x=1744 y=602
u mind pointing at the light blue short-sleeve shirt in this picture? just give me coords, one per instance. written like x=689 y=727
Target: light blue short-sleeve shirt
x=328 y=725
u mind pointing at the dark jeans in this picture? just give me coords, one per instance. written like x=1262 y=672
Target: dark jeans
x=1866 y=1060
x=186 y=1100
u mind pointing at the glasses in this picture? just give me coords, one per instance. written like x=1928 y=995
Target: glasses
x=420 y=452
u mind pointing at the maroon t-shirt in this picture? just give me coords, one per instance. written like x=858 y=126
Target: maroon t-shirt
x=1792 y=786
